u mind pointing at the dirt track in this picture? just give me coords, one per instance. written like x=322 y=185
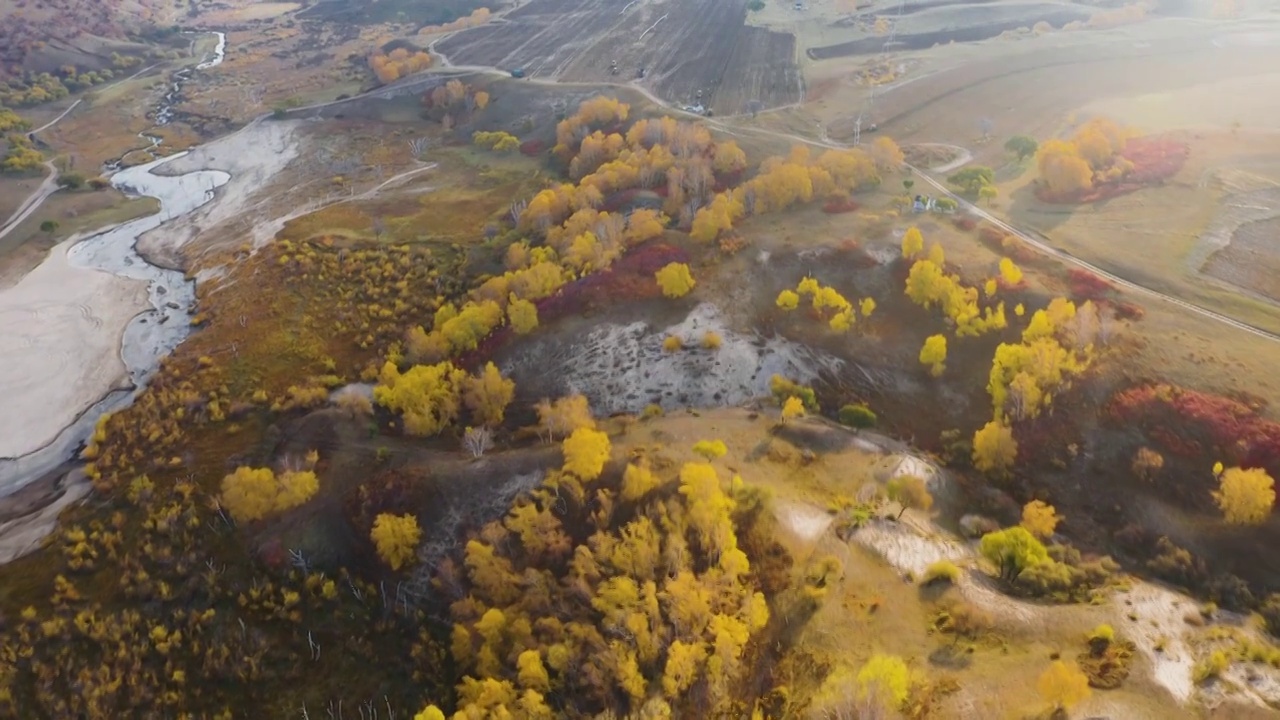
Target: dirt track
x=684 y=47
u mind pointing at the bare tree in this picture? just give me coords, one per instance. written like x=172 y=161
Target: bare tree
x=517 y=210
x=477 y=441
x=754 y=107
x=418 y=146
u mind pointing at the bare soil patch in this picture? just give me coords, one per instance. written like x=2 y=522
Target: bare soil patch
x=961 y=23
x=1251 y=260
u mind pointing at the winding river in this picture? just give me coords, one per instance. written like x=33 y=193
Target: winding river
x=153 y=333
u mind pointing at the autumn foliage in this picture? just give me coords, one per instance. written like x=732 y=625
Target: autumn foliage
x=651 y=598
x=401 y=62
x=1102 y=159
x=254 y=493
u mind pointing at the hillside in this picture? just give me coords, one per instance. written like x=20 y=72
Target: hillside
x=45 y=36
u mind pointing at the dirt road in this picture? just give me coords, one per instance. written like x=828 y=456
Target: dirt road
x=1040 y=243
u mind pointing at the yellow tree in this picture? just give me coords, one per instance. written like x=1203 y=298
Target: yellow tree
x=792 y=408
x=585 y=453
x=729 y=158
x=396 y=539
x=644 y=224
x=487 y=395
x=427 y=396
x=994 y=449
x=1039 y=518
x=564 y=416
x=522 y=315
x=1063 y=685
x=1245 y=497
x=912 y=242
x=934 y=354
x=886 y=154
x=788 y=300
x=255 y=493
x=675 y=280
x=1010 y=273
x=884 y=682
x=1062 y=168
x=532 y=674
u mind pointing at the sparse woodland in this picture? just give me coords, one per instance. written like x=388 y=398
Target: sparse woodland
x=230 y=565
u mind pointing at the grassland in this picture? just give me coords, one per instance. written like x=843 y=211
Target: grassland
x=74 y=214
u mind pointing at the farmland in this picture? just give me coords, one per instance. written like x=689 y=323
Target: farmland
x=685 y=49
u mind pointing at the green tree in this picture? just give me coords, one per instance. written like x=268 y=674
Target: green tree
x=972 y=179
x=1012 y=550
x=49 y=227
x=910 y=491
x=1022 y=146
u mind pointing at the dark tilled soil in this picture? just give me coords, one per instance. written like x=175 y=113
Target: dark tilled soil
x=920 y=41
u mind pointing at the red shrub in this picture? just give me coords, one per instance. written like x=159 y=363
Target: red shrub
x=533 y=148
x=1128 y=311
x=840 y=204
x=1087 y=286
x=1191 y=423
x=991 y=235
x=964 y=222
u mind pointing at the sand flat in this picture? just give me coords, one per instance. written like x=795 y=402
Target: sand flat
x=61 y=327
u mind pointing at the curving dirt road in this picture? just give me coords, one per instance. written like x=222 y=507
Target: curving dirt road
x=34 y=200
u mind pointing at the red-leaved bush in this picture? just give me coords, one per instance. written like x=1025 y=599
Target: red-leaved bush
x=1192 y=423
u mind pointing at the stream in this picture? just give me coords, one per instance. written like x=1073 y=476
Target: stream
x=154 y=333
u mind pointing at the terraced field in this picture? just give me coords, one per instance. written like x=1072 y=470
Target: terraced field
x=684 y=48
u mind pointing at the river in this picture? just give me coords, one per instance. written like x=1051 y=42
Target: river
x=155 y=332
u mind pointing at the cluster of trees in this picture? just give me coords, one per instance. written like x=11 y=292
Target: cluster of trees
x=452 y=101
x=36 y=88
x=623 y=590
x=827 y=302
x=401 y=62
x=11 y=122
x=255 y=493
x=799 y=178
x=430 y=398
x=497 y=141
x=1057 y=344
x=479 y=16
x=20 y=156
x=1024 y=561
x=929 y=284
x=1090 y=155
